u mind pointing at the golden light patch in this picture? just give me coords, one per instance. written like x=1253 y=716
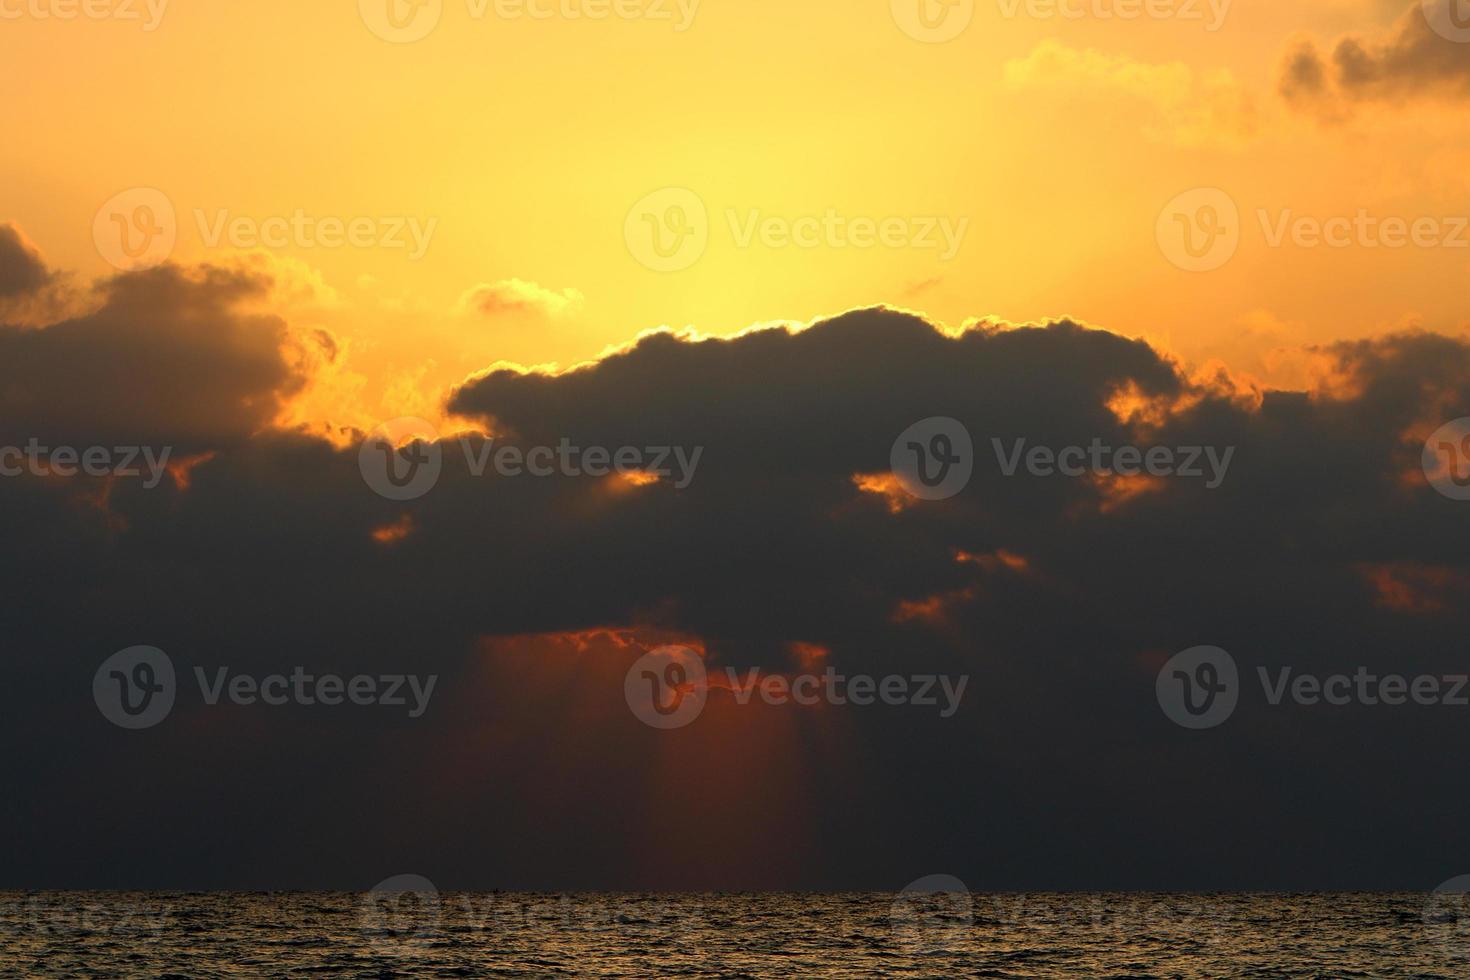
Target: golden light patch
x=1117 y=491
x=887 y=486
x=995 y=560
x=182 y=470
x=391 y=534
x=1415 y=589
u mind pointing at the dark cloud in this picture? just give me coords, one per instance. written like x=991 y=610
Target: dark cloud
x=1059 y=597
x=22 y=270
x=164 y=357
x=1410 y=61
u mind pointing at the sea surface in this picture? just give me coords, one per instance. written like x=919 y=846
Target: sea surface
x=787 y=936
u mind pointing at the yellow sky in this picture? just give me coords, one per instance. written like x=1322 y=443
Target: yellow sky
x=526 y=141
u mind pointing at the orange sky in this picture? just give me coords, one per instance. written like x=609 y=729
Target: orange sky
x=519 y=145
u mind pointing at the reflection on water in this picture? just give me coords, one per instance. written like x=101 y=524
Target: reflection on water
x=418 y=933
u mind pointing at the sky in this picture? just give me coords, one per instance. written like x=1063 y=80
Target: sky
x=1057 y=134
x=255 y=251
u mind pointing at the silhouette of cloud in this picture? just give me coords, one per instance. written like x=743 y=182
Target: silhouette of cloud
x=169 y=355
x=1411 y=61
x=22 y=270
x=531 y=597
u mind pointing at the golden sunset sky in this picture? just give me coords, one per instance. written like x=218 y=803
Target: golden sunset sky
x=1056 y=140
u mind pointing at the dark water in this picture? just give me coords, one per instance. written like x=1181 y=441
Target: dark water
x=136 y=934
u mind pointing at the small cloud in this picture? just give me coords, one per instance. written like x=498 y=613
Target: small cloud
x=1412 y=60
x=517 y=296
x=22 y=270
x=1182 y=106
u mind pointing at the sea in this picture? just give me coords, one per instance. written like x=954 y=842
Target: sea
x=409 y=933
